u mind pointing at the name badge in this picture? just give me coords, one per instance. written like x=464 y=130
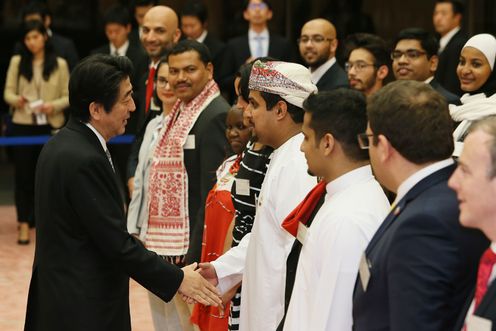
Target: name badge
x=190 y=142
x=301 y=235
x=243 y=187
x=364 y=272
x=477 y=323
x=40 y=119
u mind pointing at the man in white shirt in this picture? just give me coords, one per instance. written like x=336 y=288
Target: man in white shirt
x=354 y=205
x=447 y=20
x=419 y=268
x=475 y=185
x=317 y=44
x=277 y=91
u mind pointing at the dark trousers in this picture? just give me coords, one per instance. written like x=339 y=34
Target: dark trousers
x=25 y=159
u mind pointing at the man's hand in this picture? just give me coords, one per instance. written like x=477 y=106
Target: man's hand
x=207 y=270
x=47 y=108
x=197 y=288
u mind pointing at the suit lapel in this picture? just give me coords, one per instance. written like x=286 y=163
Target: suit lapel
x=487 y=301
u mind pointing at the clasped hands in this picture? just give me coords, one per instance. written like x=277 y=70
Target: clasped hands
x=198 y=286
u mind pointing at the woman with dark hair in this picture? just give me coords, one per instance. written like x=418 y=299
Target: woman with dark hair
x=36 y=88
x=478 y=80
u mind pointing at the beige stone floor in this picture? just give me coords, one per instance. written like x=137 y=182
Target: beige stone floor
x=15 y=273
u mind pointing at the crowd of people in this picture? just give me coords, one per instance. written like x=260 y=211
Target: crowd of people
x=259 y=193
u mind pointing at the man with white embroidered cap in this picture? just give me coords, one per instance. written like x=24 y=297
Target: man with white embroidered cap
x=277 y=92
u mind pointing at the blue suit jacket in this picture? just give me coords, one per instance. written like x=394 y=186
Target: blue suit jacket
x=422 y=263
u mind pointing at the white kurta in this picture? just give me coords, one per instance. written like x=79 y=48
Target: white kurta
x=354 y=207
x=260 y=258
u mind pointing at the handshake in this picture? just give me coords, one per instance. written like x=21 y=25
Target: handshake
x=199 y=285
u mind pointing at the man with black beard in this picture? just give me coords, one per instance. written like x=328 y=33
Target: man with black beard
x=317 y=45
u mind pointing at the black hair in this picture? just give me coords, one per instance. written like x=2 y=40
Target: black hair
x=247 y=2
x=373 y=44
x=196 y=9
x=427 y=40
x=271 y=101
x=142 y=3
x=36 y=7
x=191 y=45
x=117 y=14
x=342 y=113
x=50 y=58
x=97 y=78
x=244 y=72
x=457 y=5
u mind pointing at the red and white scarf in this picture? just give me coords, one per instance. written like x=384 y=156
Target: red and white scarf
x=168 y=222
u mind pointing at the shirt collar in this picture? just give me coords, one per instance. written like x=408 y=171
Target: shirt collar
x=98 y=135
x=202 y=37
x=447 y=37
x=49 y=32
x=344 y=181
x=429 y=80
x=415 y=178
x=252 y=34
x=317 y=74
x=493 y=247
x=121 y=51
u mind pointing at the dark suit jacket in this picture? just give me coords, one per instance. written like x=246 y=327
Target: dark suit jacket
x=422 y=263
x=450 y=97
x=448 y=61
x=217 y=49
x=238 y=51
x=64 y=47
x=84 y=254
x=333 y=78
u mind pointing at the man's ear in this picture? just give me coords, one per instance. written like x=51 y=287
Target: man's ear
x=384 y=148
x=433 y=62
x=281 y=109
x=382 y=72
x=96 y=110
x=327 y=143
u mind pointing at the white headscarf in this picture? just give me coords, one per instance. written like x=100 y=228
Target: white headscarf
x=291 y=81
x=485 y=43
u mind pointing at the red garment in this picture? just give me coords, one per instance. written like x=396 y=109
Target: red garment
x=486 y=264
x=149 y=88
x=303 y=211
x=219 y=213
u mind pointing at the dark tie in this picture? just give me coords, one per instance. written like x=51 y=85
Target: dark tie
x=110 y=159
x=486 y=264
x=149 y=88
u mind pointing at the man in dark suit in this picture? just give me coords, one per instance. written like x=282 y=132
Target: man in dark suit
x=139 y=8
x=419 y=267
x=258 y=42
x=415 y=57
x=475 y=185
x=84 y=254
x=194 y=17
x=318 y=44
x=447 y=19
x=64 y=47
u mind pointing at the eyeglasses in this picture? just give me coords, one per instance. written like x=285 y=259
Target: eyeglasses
x=162 y=82
x=317 y=39
x=363 y=140
x=411 y=54
x=260 y=6
x=358 y=65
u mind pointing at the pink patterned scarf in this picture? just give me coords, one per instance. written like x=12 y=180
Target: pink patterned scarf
x=168 y=222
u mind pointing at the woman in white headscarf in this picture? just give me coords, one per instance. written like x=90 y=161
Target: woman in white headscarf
x=478 y=80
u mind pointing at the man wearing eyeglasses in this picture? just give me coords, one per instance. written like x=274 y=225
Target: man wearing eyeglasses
x=419 y=268
x=415 y=58
x=368 y=63
x=317 y=45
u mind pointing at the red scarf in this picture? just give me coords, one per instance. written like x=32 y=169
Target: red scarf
x=303 y=211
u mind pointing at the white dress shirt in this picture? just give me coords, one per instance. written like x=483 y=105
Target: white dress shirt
x=317 y=74
x=354 y=207
x=121 y=51
x=202 y=37
x=253 y=42
x=260 y=258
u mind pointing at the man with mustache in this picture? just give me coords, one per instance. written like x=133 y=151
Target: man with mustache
x=317 y=45
x=415 y=57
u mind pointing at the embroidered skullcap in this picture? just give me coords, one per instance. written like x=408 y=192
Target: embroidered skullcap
x=485 y=43
x=291 y=81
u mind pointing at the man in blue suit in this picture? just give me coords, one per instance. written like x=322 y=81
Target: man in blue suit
x=420 y=266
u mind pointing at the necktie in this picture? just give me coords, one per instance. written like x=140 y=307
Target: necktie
x=486 y=264
x=259 y=52
x=149 y=88
x=303 y=211
x=110 y=159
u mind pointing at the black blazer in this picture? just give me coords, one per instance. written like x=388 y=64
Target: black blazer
x=450 y=97
x=448 y=61
x=333 y=78
x=84 y=254
x=217 y=49
x=486 y=309
x=422 y=263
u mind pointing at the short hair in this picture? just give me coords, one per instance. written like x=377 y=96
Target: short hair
x=427 y=40
x=457 y=5
x=117 y=14
x=247 y=2
x=142 y=3
x=244 y=72
x=272 y=99
x=374 y=45
x=196 y=9
x=342 y=113
x=414 y=118
x=97 y=78
x=488 y=125
x=188 y=45
x=36 y=7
